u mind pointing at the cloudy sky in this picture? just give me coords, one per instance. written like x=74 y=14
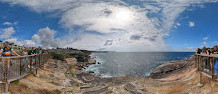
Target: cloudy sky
x=114 y=25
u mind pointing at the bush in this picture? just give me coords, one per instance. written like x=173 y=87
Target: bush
x=57 y=56
x=80 y=57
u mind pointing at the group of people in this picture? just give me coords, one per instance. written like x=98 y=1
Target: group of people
x=7 y=51
x=209 y=51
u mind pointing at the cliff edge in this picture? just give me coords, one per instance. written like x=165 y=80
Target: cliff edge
x=68 y=77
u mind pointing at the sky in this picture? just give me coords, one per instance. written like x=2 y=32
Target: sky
x=111 y=25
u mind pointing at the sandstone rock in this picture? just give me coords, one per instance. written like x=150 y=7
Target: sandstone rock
x=88 y=78
x=169 y=67
x=71 y=61
x=129 y=87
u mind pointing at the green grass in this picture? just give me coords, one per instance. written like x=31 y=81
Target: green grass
x=72 y=74
x=70 y=67
x=15 y=82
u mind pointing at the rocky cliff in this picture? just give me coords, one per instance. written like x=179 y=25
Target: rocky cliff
x=67 y=77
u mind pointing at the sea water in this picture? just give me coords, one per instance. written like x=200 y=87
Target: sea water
x=115 y=64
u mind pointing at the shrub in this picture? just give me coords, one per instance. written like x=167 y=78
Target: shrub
x=57 y=56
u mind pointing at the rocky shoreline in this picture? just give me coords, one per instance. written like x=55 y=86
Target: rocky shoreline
x=68 y=77
x=163 y=71
x=169 y=68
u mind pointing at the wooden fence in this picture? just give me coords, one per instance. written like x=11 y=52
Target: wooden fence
x=19 y=69
x=206 y=66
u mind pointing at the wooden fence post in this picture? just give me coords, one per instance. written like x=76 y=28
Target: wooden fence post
x=6 y=88
x=39 y=60
x=36 y=64
x=213 y=63
x=200 y=63
x=201 y=78
x=197 y=62
x=31 y=63
x=35 y=60
x=20 y=66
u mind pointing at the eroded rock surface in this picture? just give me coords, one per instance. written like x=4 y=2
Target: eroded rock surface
x=178 y=77
x=163 y=71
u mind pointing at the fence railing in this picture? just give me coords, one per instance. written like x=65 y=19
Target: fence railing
x=20 y=66
x=206 y=65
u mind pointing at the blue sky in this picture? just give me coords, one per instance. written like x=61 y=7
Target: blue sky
x=114 y=25
x=203 y=33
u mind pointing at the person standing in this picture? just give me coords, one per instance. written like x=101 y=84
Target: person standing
x=206 y=59
x=32 y=52
x=215 y=53
x=198 y=51
x=0 y=52
x=204 y=51
x=36 y=51
x=25 y=59
x=7 y=52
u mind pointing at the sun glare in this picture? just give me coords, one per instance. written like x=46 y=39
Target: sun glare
x=123 y=16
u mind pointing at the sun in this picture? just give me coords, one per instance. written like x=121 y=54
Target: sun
x=123 y=15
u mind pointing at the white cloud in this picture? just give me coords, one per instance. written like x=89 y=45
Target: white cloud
x=103 y=17
x=113 y=42
x=119 y=23
x=30 y=43
x=7 y=32
x=10 y=23
x=46 y=37
x=7 y=23
x=53 y=5
x=205 y=38
x=108 y=42
x=128 y=26
x=205 y=43
x=178 y=24
x=15 y=41
x=191 y=48
x=191 y=24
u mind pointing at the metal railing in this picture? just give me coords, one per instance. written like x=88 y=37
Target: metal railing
x=20 y=66
x=206 y=66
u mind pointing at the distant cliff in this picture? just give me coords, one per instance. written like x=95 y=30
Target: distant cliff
x=62 y=54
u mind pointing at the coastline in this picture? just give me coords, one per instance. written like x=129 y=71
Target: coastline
x=172 y=77
x=169 y=67
x=173 y=67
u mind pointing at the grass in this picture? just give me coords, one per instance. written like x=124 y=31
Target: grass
x=70 y=69
x=15 y=82
x=72 y=74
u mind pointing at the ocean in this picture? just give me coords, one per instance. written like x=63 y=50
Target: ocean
x=115 y=64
